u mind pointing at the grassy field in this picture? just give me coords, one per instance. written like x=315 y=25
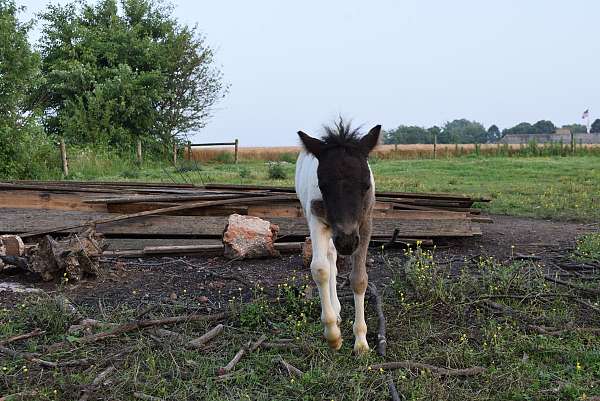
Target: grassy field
x=532 y=338
x=562 y=188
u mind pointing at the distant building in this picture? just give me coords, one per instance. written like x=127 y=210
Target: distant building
x=561 y=134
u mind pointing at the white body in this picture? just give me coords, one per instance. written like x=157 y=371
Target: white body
x=324 y=258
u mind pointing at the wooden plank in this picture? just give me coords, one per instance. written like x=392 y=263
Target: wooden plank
x=152 y=212
x=132 y=208
x=120 y=244
x=33 y=199
x=28 y=220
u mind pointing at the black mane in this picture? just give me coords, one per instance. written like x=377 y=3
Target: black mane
x=341 y=134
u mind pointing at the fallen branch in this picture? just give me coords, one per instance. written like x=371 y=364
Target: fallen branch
x=28 y=357
x=146 y=397
x=411 y=365
x=506 y=309
x=291 y=369
x=553 y=331
x=34 y=333
x=206 y=337
x=381 y=340
x=19 y=396
x=581 y=288
x=392 y=387
x=134 y=326
x=246 y=349
x=97 y=381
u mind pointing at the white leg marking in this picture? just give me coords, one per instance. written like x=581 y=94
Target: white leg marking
x=335 y=302
x=360 y=326
x=320 y=269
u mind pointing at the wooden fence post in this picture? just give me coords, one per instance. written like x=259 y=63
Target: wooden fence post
x=63 y=156
x=572 y=143
x=434 y=145
x=175 y=154
x=189 y=149
x=237 y=142
x=139 y=151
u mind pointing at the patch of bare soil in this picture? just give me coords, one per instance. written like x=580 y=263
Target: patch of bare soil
x=210 y=283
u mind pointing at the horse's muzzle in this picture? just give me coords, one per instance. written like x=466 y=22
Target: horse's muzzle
x=346 y=244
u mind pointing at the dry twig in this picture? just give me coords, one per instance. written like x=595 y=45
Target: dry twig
x=248 y=348
x=146 y=397
x=97 y=381
x=433 y=369
x=133 y=326
x=381 y=340
x=291 y=369
x=206 y=337
x=34 y=333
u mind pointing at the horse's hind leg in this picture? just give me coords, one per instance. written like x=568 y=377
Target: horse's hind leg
x=320 y=269
x=335 y=302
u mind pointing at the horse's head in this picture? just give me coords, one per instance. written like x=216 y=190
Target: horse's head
x=344 y=179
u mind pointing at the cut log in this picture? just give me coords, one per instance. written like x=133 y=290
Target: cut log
x=72 y=257
x=11 y=245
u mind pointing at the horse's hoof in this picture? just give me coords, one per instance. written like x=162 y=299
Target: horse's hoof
x=335 y=344
x=361 y=348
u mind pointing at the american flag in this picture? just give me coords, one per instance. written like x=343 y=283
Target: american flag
x=585 y=113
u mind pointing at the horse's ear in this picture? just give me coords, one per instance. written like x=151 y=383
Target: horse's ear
x=369 y=141
x=312 y=145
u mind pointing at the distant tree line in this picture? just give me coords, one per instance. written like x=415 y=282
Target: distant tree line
x=465 y=131
x=104 y=75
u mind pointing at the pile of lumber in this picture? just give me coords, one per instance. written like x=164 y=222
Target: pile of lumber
x=150 y=218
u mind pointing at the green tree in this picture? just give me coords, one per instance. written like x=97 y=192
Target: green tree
x=407 y=134
x=595 y=128
x=576 y=128
x=463 y=131
x=20 y=135
x=520 y=129
x=493 y=133
x=111 y=76
x=544 y=127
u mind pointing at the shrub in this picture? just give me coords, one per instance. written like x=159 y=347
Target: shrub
x=276 y=171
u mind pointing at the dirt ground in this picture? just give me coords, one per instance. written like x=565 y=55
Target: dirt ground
x=209 y=283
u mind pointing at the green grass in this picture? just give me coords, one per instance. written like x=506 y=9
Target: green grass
x=561 y=188
x=433 y=316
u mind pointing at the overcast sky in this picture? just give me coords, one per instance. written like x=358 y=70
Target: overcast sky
x=297 y=65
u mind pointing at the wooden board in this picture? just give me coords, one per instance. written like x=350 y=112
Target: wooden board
x=34 y=199
x=26 y=220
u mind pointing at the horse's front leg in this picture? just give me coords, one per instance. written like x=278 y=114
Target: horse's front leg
x=335 y=302
x=320 y=268
x=359 y=281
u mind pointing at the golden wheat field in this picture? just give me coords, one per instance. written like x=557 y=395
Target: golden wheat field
x=417 y=151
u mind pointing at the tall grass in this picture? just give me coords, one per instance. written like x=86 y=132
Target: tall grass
x=417 y=151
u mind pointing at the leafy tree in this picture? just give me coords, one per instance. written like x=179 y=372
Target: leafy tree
x=576 y=128
x=434 y=132
x=20 y=135
x=406 y=134
x=595 y=128
x=520 y=129
x=111 y=75
x=463 y=131
x=544 y=127
x=493 y=133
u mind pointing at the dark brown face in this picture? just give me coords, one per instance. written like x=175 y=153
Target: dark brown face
x=344 y=180
x=345 y=183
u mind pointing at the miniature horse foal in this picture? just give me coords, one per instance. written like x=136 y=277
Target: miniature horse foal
x=336 y=189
